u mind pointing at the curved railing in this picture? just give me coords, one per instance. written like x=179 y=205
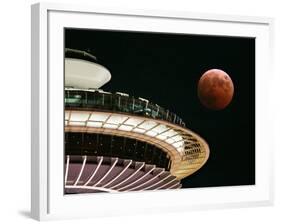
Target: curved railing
x=118 y=102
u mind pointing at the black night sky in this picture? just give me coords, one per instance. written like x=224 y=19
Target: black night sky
x=165 y=69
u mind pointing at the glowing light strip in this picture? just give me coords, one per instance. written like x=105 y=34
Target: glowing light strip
x=165 y=184
x=129 y=177
x=97 y=168
x=81 y=170
x=137 y=179
x=86 y=122
x=174 y=186
x=108 y=172
x=146 y=182
x=91 y=188
x=139 y=125
x=66 y=169
x=148 y=187
x=122 y=123
x=104 y=122
x=119 y=174
x=151 y=129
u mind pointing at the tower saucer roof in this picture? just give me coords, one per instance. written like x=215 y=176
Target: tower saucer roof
x=83 y=71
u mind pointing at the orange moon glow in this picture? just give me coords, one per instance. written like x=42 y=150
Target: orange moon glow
x=215 y=89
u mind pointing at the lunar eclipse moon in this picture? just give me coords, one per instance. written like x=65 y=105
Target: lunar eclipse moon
x=215 y=89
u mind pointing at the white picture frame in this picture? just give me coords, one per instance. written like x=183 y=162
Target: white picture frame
x=47 y=199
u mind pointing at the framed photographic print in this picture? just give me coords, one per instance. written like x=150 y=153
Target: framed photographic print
x=148 y=111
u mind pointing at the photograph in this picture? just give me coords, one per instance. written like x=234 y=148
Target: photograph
x=148 y=111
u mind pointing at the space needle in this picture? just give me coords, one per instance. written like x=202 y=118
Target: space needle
x=115 y=142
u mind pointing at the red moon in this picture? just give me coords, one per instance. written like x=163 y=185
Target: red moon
x=215 y=89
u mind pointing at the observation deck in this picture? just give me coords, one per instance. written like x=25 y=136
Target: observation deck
x=116 y=142
x=118 y=114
